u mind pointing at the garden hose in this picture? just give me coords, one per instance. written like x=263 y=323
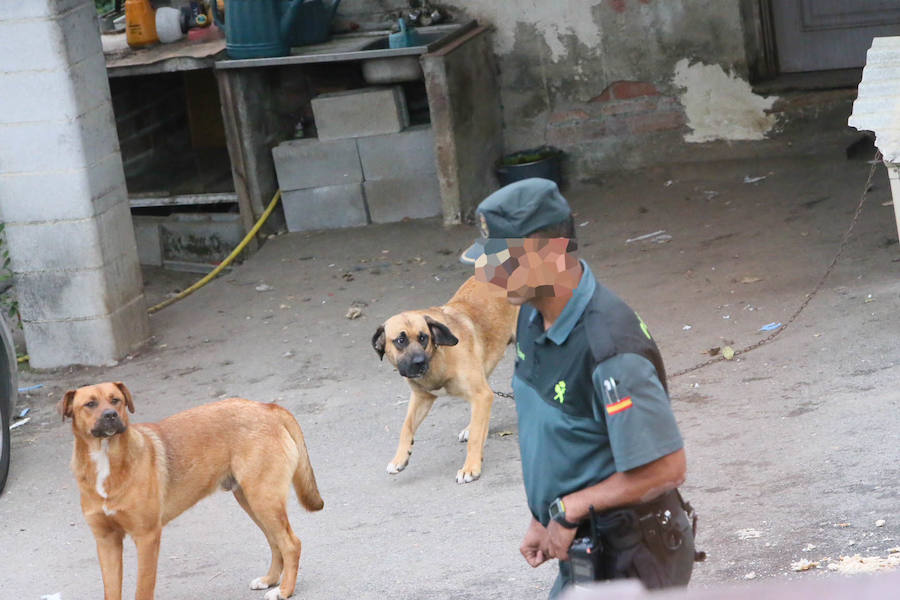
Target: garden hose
x=212 y=274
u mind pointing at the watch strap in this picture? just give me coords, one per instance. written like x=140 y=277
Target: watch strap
x=558 y=514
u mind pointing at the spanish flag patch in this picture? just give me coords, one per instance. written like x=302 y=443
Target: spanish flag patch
x=623 y=404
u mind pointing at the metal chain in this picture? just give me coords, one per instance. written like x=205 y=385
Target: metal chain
x=875 y=162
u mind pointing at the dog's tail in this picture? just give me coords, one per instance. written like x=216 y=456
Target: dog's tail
x=304 y=479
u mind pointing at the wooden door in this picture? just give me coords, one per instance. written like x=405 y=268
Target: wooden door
x=818 y=35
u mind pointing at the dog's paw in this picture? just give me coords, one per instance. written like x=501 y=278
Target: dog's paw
x=260 y=584
x=467 y=476
x=463 y=435
x=394 y=468
x=274 y=594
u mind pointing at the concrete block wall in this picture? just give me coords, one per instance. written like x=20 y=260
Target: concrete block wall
x=400 y=175
x=360 y=112
x=351 y=182
x=321 y=184
x=62 y=188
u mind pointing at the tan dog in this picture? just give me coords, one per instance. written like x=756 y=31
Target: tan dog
x=136 y=478
x=453 y=348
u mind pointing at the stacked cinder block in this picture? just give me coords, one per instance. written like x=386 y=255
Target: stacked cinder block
x=367 y=165
x=62 y=189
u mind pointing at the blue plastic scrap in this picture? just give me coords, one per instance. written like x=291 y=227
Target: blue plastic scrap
x=31 y=388
x=771 y=326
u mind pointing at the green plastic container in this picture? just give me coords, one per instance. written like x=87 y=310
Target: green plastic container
x=257 y=28
x=313 y=24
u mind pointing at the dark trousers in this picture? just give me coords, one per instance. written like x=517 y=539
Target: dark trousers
x=652 y=542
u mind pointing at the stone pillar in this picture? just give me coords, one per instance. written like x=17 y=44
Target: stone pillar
x=893 y=170
x=62 y=188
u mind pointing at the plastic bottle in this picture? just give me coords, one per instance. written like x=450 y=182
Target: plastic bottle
x=140 y=23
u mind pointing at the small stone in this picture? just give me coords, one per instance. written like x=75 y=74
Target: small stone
x=750 y=575
x=880 y=523
x=264 y=288
x=354 y=313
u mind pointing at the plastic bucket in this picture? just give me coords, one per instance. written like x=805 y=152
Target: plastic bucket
x=546 y=167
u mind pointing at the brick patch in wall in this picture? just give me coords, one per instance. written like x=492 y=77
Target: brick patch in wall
x=637 y=115
x=626 y=90
x=650 y=122
x=640 y=105
x=576 y=132
x=621 y=5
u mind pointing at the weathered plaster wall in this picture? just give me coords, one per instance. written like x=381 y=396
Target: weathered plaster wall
x=616 y=83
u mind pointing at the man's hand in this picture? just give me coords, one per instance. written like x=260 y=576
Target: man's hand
x=534 y=546
x=560 y=540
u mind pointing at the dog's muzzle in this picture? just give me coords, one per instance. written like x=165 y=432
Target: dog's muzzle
x=414 y=366
x=108 y=424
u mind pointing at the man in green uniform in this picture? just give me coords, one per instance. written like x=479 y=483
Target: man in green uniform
x=601 y=451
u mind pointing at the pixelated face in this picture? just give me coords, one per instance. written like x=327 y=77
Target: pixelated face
x=525 y=268
x=409 y=340
x=98 y=410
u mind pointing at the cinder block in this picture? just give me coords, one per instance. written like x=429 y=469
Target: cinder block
x=330 y=207
x=148 y=238
x=201 y=238
x=310 y=163
x=359 y=113
x=99 y=341
x=405 y=155
x=76 y=244
x=75 y=90
x=84 y=294
x=391 y=200
x=69 y=34
x=36 y=8
x=57 y=145
x=35 y=196
x=116 y=233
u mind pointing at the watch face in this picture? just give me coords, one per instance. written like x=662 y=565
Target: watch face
x=556 y=508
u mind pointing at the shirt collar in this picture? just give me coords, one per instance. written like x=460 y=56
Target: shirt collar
x=562 y=327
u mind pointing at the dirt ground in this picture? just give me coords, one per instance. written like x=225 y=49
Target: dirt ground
x=792 y=448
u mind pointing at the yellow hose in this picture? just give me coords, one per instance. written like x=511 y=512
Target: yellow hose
x=209 y=277
x=212 y=274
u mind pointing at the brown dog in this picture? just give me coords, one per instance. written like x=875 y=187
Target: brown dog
x=136 y=478
x=453 y=348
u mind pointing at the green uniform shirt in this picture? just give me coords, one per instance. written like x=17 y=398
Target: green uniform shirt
x=590 y=395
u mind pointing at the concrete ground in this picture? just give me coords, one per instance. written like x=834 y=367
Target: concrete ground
x=792 y=448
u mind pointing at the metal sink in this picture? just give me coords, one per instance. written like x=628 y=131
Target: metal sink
x=366 y=47
x=426 y=40
x=395 y=65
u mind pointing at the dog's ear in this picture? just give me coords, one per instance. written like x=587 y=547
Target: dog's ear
x=440 y=333
x=378 y=342
x=124 y=389
x=65 y=405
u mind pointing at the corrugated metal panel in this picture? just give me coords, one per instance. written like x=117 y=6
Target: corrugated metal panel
x=877 y=105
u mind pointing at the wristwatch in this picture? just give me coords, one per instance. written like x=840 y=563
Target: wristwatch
x=558 y=513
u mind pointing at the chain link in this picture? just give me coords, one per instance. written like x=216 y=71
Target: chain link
x=876 y=160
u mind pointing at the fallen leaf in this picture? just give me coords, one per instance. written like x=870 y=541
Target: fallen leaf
x=504 y=433
x=728 y=352
x=751 y=279
x=803 y=565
